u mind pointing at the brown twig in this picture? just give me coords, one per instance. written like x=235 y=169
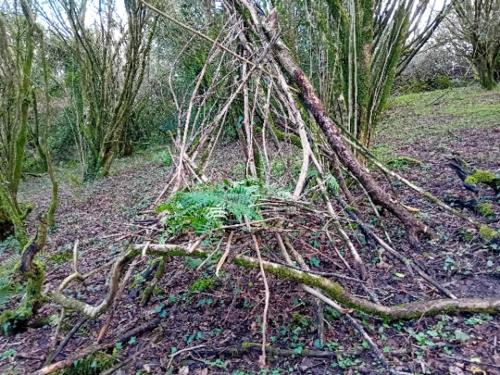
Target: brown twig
x=95 y=348
x=64 y=342
x=262 y=359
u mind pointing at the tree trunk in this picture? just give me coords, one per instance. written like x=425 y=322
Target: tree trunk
x=334 y=138
x=486 y=74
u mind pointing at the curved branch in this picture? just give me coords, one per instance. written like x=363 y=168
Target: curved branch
x=332 y=288
x=114 y=282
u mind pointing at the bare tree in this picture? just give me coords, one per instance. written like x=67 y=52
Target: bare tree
x=475 y=33
x=103 y=75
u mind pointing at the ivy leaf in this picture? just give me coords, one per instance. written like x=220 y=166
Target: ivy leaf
x=314 y=261
x=7 y=353
x=158 y=309
x=317 y=344
x=298 y=349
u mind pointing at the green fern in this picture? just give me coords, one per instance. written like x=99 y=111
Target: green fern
x=211 y=206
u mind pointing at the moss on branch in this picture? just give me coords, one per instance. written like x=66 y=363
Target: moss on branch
x=332 y=288
x=337 y=292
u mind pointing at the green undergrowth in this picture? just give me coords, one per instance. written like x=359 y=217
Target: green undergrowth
x=202 y=284
x=208 y=207
x=93 y=364
x=14 y=319
x=9 y=289
x=283 y=169
x=160 y=156
x=60 y=257
x=387 y=156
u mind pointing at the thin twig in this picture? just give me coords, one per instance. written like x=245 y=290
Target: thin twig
x=262 y=359
x=173 y=355
x=63 y=343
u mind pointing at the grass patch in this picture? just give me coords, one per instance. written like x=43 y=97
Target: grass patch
x=417 y=117
x=202 y=285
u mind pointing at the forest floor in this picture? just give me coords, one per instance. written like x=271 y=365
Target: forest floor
x=219 y=318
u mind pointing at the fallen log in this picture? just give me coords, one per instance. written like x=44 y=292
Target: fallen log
x=333 y=289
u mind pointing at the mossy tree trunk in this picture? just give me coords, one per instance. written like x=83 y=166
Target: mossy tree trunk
x=17 y=44
x=353 y=49
x=486 y=72
x=476 y=32
x=29 y=271
x=104 y=77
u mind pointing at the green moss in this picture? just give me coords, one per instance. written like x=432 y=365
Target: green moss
x=60 y=257
x=152 y=288
x=93 y=364
x=480 y=176
x=387 y=156
x=485 y=209
x=402 y=162
x=11 y=320
x=202 y=284
x=488 y=234
x=283 y=137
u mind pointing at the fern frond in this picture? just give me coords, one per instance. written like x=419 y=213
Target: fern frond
x=210 y=206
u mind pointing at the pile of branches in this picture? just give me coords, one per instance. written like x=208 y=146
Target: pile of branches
x=249 y=70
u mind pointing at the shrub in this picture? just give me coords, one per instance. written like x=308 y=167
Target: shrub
x=439 y=82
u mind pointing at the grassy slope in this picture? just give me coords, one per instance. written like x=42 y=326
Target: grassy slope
x=442 y=119
x=438 y=113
